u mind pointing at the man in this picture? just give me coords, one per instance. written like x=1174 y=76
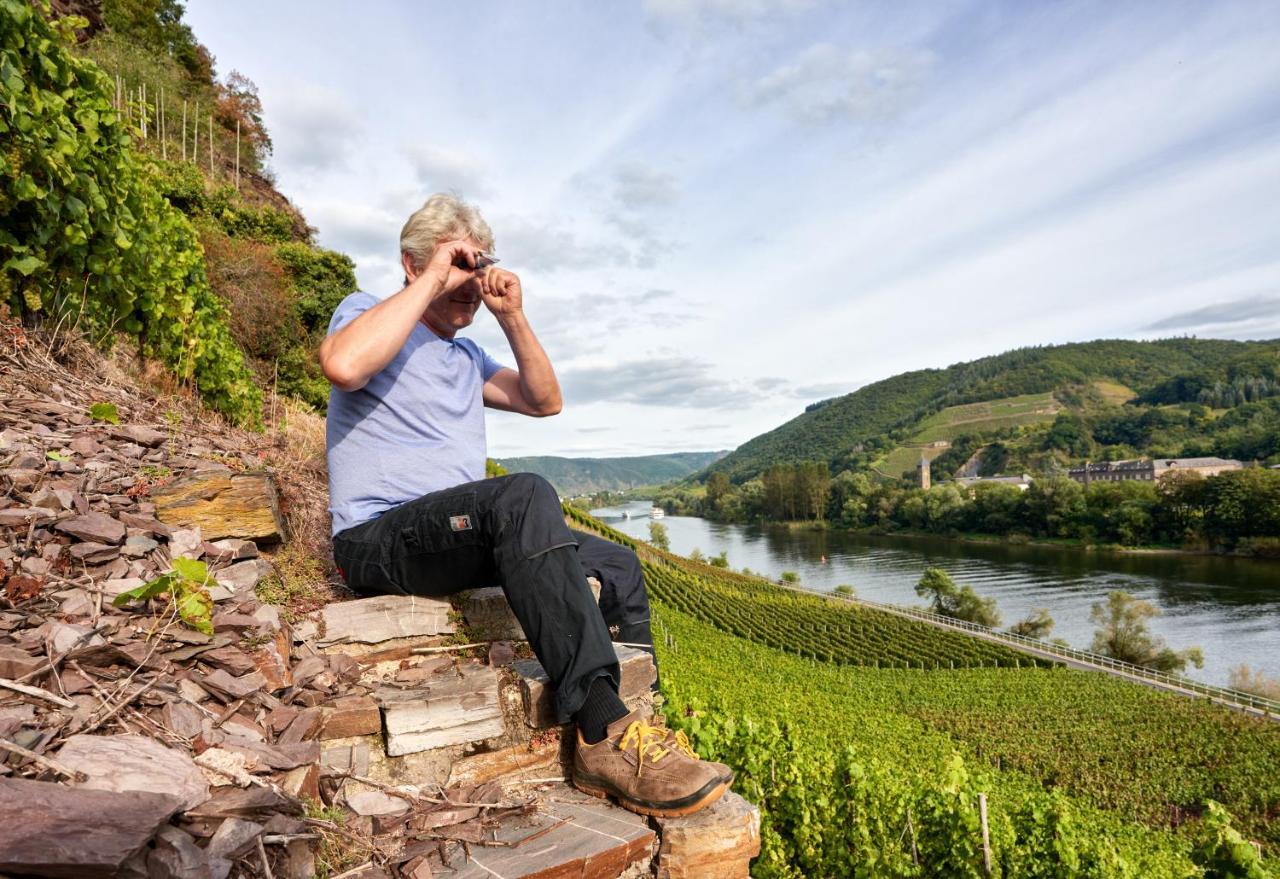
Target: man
x=412 y=512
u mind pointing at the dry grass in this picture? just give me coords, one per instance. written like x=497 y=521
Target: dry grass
x=301 y=582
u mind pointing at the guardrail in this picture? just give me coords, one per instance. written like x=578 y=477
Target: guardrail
x=1268 y=707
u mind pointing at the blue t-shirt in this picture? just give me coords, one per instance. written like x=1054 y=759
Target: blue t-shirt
x=416 y=427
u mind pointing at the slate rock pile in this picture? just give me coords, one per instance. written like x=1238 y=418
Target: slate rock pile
x=361 y=739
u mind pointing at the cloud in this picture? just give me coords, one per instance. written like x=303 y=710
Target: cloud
x=822 y=390
x=693 y=12
x=440 y=170
x=542 y=246
x=825 y=83
x=314 y=130
x=1224 y=314
x=355 y=227
x=574 y=325
x=657 y=381
x=638 y=185
x=771 y=383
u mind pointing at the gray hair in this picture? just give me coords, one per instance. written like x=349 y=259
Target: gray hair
x=444 y=217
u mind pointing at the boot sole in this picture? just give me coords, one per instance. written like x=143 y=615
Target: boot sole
x=685 y=806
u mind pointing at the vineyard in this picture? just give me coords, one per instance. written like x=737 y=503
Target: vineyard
x=867 y=739
x=816 y=628
x=857 y=775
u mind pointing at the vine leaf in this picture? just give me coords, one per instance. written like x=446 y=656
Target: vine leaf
x=105 y=412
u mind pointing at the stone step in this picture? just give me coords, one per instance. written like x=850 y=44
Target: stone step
x=718 y=841
x=489 y=616
x=451 y=709
x=538 y=696
x=571 y=835
x=383 y=620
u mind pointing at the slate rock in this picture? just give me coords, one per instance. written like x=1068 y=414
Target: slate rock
x=135 y=763
x=176 y=856
x=96 y=527
x=223 y=504
x=48 y=829
x=136 y=433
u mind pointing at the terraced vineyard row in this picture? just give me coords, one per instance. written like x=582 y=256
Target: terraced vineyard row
x=814 y=627
x=875 y=773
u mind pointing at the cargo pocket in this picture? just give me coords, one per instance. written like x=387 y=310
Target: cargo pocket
x=439 y=549
x=443 y=524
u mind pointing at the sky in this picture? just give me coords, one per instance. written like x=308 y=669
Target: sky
x=722 y=210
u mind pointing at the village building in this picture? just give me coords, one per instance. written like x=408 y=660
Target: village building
x=1020 y=482
x=1149 y=469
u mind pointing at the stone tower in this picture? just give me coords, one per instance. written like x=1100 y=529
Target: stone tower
x=923 y=469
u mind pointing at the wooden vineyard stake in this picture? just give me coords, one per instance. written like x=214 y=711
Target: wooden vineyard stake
x=211 y=143
x=986 y=835
x=164 y=145
x=184 y=129
x=237 y=155
x=195 y=135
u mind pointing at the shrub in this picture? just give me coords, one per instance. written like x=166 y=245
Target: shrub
x=259 y=299
x=321 y=279
x=83 y=226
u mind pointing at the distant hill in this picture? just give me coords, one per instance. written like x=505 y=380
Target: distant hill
x=887 y=425
x=573 y=476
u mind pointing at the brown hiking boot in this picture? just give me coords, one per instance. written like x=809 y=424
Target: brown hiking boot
x=635 y=764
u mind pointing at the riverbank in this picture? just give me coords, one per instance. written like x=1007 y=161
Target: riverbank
x=1266 y=552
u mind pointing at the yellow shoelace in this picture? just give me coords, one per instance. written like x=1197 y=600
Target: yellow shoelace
x=648 y=742
x=683 y=745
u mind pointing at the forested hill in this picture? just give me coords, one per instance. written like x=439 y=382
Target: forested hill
x=573 y=476
x=901 y=413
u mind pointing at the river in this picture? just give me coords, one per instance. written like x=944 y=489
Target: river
x=1229 y=607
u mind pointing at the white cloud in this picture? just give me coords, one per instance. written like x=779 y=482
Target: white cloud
x=639 y=185
x=824 y=83
x=544 y=245
x=689 y=12
x=440 y=170
x=314 y=130
x=662 y=380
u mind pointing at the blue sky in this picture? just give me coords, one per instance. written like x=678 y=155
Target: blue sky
x=725 y=209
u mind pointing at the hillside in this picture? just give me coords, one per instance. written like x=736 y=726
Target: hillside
x=139 y=206
x=575 y=476
x=861 y=430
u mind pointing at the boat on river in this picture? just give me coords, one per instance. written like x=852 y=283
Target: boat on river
x=656 y=512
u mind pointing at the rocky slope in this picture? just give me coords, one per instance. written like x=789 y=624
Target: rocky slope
x=314 y=736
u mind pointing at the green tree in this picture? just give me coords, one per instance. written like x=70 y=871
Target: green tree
x=1037 y=624
x=937 y=586
x=717 y=487
x=1122 y=634
x=721 y=560
x=957 y=602
x=658 y=536
x=844 y=590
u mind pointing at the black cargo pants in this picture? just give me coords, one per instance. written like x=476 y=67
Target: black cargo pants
x=510 y=531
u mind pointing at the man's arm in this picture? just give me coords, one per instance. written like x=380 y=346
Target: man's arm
x=531 y=388
x=360 y=350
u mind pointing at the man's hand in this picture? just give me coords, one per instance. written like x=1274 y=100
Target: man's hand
x=501 y=292
x=453 y=264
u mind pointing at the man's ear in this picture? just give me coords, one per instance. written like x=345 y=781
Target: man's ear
x=410 y=272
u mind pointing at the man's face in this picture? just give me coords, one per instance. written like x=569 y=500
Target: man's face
x=455 y=309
